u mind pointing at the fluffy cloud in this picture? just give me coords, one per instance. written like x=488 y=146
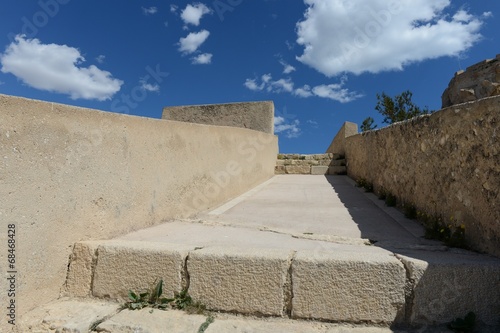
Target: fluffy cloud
x=335 y=91
x=192 y=14
x=289 y=129
x=202 y=59
x=56 y=68
x=193 y=41
x=379 y=35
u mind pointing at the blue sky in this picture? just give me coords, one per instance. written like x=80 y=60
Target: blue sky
x=322 y=62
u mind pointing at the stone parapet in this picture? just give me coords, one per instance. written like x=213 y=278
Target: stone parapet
x=258 y=116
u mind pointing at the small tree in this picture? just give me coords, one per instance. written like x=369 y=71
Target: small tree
x=394 y=109
x=368 y=125
x=398 y=108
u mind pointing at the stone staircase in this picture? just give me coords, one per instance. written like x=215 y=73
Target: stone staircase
x=270 y=280
x=313 y=164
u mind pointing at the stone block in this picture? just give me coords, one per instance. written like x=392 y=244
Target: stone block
x=363 y=285
x=81 y=269
x=325 y=162
x=280 y=162
x=319 y=170
x=279 y=170
x=249 y=281
x=148 y=321
x=448 y=285
x=298 y=170
x=127 y=265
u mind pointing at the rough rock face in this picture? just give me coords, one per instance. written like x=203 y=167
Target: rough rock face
x=477 y=81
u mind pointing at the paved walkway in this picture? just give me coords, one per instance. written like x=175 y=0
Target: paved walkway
x=295 y=211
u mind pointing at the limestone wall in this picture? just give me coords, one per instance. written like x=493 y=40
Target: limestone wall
x=338 y=144
x=447 y=164
x=258 y=116
x=311 y=164
x=70 y=174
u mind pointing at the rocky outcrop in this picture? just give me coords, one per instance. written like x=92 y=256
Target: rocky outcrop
x=477 y=81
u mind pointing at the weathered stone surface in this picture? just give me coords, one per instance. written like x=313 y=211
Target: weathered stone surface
x=337 y=147
x=273 y=325
x=448 y=285
x=66 y=315
x=298 y=170
x=81 y=269
x=257 y=116
x=478 y=81
x=279 y=170
x=91 y=174
x=337 y=170
x=319 y=170
x=125 y=265
x=463 y=141
x=250 y=281
x=366 y=285
x=152 y=321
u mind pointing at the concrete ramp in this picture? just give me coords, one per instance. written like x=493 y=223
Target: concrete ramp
x=299 y=247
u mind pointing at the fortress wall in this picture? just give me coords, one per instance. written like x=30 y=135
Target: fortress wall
x=447 y=164
x=71 y=174
x=258 y=116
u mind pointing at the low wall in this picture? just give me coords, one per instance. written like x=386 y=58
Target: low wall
x=338 y=144
x=258 y=116
x=70 y=174
x=446 y=164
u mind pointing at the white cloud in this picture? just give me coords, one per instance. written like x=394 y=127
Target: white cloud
x=56 y=68
x=336 y=91
x=305 y=91
x=289 y=129
x=281 y=85
x=202 y=59
x=100 y=59
x=148 y=86
x=192 y=14
x=287 y=68
x=149 y=10
x=193 y=41
x=173 y=8
x=378 y=35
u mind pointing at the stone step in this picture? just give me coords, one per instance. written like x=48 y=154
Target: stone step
x=315 y=164
x=353 y=284
x=88 y=315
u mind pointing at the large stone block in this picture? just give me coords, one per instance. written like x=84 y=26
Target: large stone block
x=353 y=286
x=449 y=285
x=246 y=281
x=257 y=116
x=81 y=269
x=125 y=265
x=298 y=169
x=319 y=170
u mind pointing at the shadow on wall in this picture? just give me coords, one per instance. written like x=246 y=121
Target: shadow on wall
x=442 y=284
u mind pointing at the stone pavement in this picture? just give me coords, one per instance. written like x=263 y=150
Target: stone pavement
x=296 y=248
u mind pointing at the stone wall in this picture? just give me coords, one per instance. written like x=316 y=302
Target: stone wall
x=445 y=164
x=71 y=174
x=258 y=116
x=477 y=81
x=338 y=144
x=315 y=164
